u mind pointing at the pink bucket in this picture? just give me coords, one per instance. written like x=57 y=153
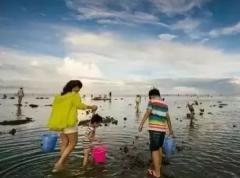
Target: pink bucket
x=99 y=154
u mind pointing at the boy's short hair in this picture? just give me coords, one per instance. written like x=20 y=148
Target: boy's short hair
x=96 y=118
x=154 y=92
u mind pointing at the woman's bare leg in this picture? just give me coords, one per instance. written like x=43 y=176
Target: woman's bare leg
x=72 y=138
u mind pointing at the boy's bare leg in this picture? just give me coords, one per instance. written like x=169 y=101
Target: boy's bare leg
x=156 y=162
x=86 y=157
x=160 y=158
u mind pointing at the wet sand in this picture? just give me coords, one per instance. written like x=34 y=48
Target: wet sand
x=208 y=147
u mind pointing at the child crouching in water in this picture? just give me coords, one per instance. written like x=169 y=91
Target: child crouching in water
x=89 y=137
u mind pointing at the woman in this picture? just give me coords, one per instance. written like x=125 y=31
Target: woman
x=64 y=118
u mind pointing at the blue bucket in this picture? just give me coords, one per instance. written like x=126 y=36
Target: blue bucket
x=49 y=142
x=169 y=146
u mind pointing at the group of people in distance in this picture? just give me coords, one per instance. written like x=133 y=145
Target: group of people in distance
x=64 y=119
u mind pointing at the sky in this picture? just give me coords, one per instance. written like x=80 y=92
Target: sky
x=127 y=46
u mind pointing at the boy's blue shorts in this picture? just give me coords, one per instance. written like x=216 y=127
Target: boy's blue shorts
x=156 y=140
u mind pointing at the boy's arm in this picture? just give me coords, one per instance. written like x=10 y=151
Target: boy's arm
x=145 y=117
x=91 y=138
x=169 y=124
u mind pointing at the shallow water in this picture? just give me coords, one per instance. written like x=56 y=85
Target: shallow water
x=212 y=143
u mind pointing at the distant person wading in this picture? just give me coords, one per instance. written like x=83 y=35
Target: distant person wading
x=20 y=95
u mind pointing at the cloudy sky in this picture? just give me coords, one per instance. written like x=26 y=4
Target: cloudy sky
x=126 y=46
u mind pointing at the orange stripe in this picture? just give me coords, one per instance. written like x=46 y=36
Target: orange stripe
x=157 y=127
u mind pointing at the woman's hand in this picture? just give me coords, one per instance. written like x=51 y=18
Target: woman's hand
x=94 y=108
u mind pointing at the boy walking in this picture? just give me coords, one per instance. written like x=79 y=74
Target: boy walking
x=159 y=121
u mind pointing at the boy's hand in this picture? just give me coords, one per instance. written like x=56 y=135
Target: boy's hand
x=170 y=133
x=140 y=128
x=98 y=140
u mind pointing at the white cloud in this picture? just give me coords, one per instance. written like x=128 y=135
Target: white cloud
x=177 y=6
x=34 y=63
x=93 y=10
x=75 y=69
x=185 y=90
x=188 y=25
x=203 y=41
x=106 y=61
x=226 y=31
x=166 y=37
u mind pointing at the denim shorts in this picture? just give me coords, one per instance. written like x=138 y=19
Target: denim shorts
x=156 y=140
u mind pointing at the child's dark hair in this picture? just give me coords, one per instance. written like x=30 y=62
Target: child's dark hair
x=70 y=85
x=96 y=118
x=154 y=92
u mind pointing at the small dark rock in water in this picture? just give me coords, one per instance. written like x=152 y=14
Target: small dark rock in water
x=87 y=112
x=214 y=105
x=196 y=102
x=124 y=126
x=125 y=149
x=210 y=113
x=19 y=105
x=115 y=122
x=105 y=124
x=26 y=102
x=136 y=137
x=210 y=106
x=234 y=125
x=178 y=107
x=33 y=105
x=147 y=143
x=223 y=104
x=176 y=118
x=4 y=96
x=220 y=106
x=84 y=123
x=180 y=120
x=168 y=174
x=48 y=105
x=17 y=122
x=13 y=131
x=121 y=98
x=129 y=104
x=11 y=98
x=125 y=118
x=202 y=110
x=200 y=102
x=46 y=98
x=201 y=114
x=219 y=102
x=165 y=160
x=179 y=148
x=188 y=115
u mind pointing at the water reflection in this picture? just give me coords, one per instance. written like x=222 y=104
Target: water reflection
x=19 y=112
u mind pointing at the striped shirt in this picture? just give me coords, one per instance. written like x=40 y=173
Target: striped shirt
x=157 y=119
x=86 y=142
